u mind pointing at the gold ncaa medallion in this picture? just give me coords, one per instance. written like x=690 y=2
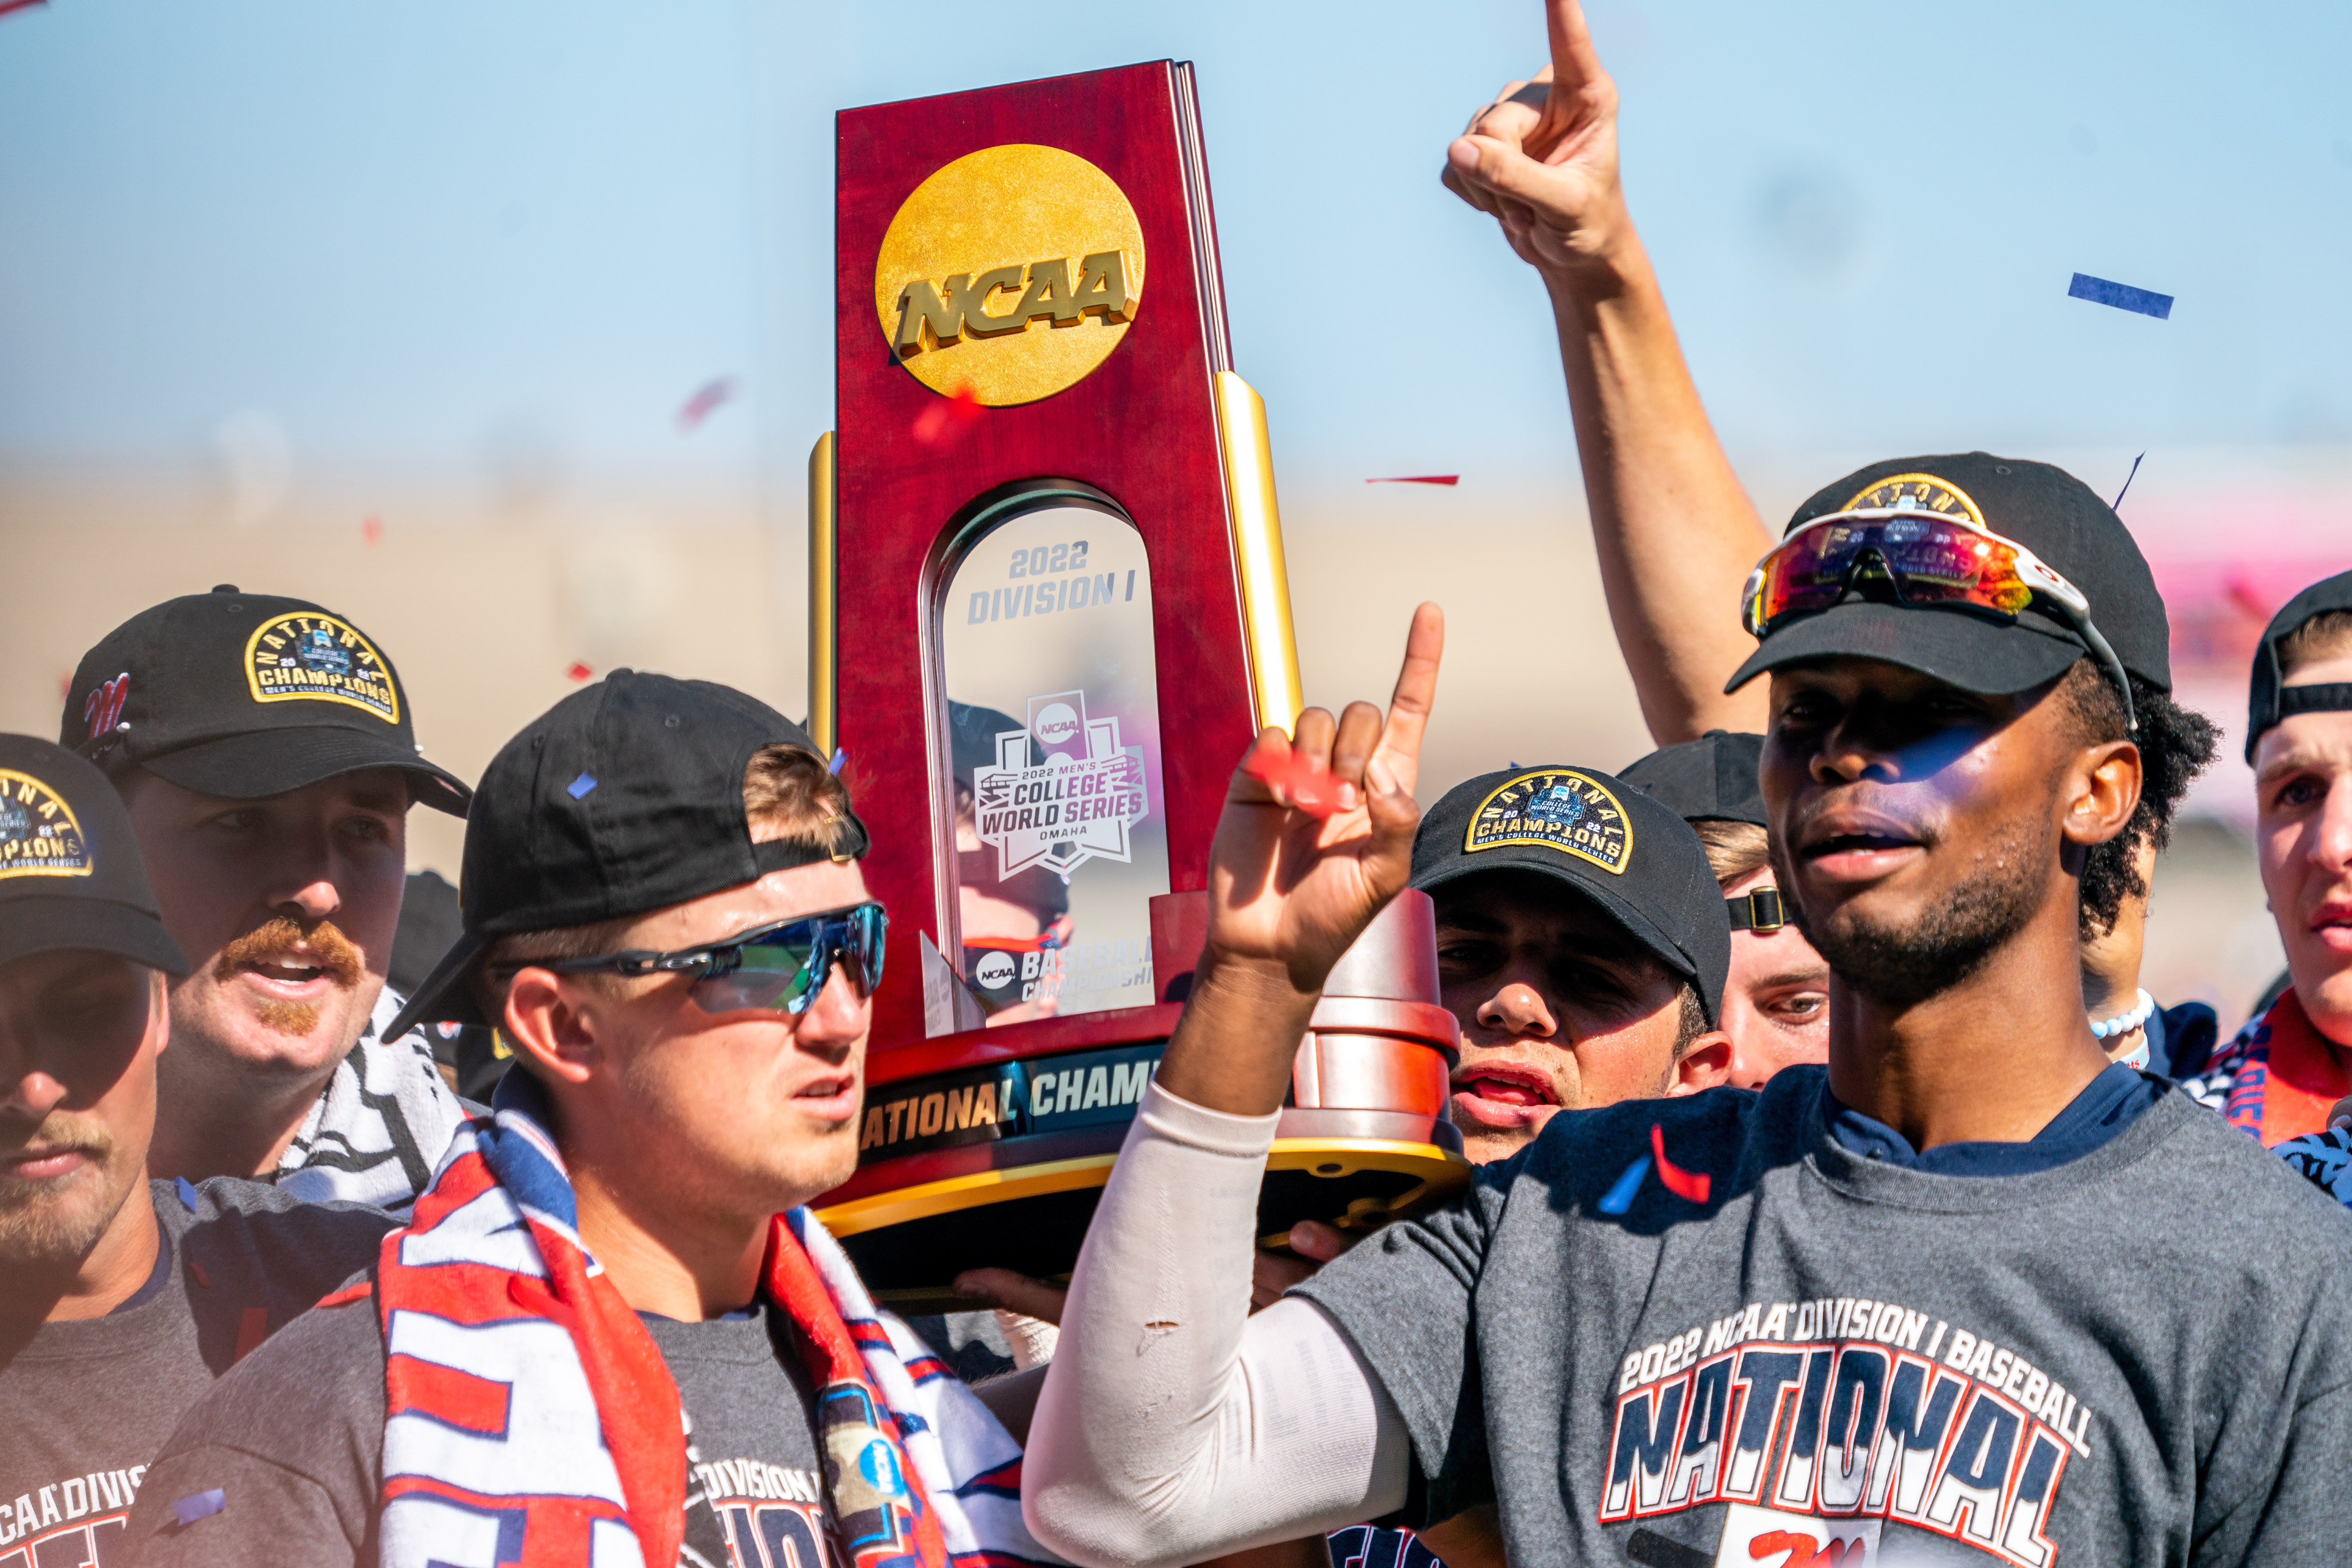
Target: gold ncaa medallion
x=1010 y=273
x=307 y=657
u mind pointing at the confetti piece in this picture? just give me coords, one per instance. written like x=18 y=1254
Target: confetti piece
x=2118 y=503
x=942 y=422
x=8 y=6
x=203 y=1505
x=706 y=399
x=2122 y=295
x=1310 y=789
x=579 y=672
x=187 y=1192
x=578 y=788
x=833 y=767
x=1691 y=1185
x=251 y=1329
x=372 y=529
x=1620 y=1198
x=1420 y=479
x=197 y=1269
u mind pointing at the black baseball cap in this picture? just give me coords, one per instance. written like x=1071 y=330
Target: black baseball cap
x=70 y=875
x=2269 y=701
x=1629 y=854
x=1711 y=779
x=245 y=695
x=2045 y=509
x=624 y=797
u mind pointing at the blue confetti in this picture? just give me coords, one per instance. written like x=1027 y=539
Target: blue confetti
x=187 y=1192
x=2122 y=295
x=833 y=766
x=580 y=785
x=203 y=1505
x=1620 y=1197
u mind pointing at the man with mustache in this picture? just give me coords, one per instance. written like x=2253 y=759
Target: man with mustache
x=1955 y=1299
x=613 y=1334
x=121 y=1299
x=268 y=755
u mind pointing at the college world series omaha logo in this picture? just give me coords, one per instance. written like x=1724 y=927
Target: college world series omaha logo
x=1558 y=810
x=310 y=657
x=1074 y=806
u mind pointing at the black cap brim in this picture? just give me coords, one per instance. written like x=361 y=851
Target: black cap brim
x=264 y=763
x=1969 y=651
x=444 y=998
x=64 y=924
x=1544 y=863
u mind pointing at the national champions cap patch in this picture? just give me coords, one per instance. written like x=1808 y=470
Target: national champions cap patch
x=1558 y=810
x=306 y=656
x=38 y=834
x=1923 y=492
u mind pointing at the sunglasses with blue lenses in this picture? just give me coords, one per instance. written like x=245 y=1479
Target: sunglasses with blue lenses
x=781 y=966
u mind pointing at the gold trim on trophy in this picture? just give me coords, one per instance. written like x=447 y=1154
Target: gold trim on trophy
x=1272 y=645
x=824 y=590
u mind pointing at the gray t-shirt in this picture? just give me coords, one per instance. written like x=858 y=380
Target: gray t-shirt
x=86 y=1406
x=294 y=1441
x=1827 y=1354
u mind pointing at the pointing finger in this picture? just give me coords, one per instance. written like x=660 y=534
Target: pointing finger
x=1399 y=753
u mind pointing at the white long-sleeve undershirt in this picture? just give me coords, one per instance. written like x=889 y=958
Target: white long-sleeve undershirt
x=1173 y=1425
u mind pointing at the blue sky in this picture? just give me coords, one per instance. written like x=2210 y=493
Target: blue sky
x=496 y=239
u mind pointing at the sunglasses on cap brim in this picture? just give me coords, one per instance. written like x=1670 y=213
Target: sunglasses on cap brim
x=1922 y=558
x=781 y=966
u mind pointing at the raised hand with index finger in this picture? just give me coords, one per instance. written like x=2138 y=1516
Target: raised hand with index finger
x=1542 y=158
x=1291 y=889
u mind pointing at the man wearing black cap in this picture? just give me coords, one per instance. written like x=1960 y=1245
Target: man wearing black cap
x=1580 y=945
x=2283 y=1073
x=121 y=1299
x=268 y=755
x=1955 y=1299
x=1776 y=998
x=1675 y=532
x=612 y=1333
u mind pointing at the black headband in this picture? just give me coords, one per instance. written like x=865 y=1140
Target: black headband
x=783 y=854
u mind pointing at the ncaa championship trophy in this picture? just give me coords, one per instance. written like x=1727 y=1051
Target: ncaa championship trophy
x=1047 y=613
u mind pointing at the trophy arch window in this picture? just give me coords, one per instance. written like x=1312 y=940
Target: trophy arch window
x=1050 y=822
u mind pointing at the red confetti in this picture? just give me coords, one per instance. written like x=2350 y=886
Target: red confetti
x=579 y=672
x=942 y=422
x=1691 y=1185
x=1310 y=789
x=1420 y=479
x=372 y=529
x=197 y=1269
x=8 y=6
x=707 y=397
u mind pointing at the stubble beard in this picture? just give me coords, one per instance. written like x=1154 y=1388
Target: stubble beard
x=50 y=1226
x=1951 y=938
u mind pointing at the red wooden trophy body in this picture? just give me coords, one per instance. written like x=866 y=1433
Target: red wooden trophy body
x=1048 y=613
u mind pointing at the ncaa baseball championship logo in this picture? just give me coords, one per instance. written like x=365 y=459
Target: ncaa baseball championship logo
x=309 y=657
x=38 y=834
x=1563 y=811
x=1925 y=491
x=1010 y=274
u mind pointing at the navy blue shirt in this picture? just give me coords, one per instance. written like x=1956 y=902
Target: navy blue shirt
x=2108 y=1103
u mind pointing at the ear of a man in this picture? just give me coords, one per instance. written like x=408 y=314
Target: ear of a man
x=550 y=1027
x=1706 y=1065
